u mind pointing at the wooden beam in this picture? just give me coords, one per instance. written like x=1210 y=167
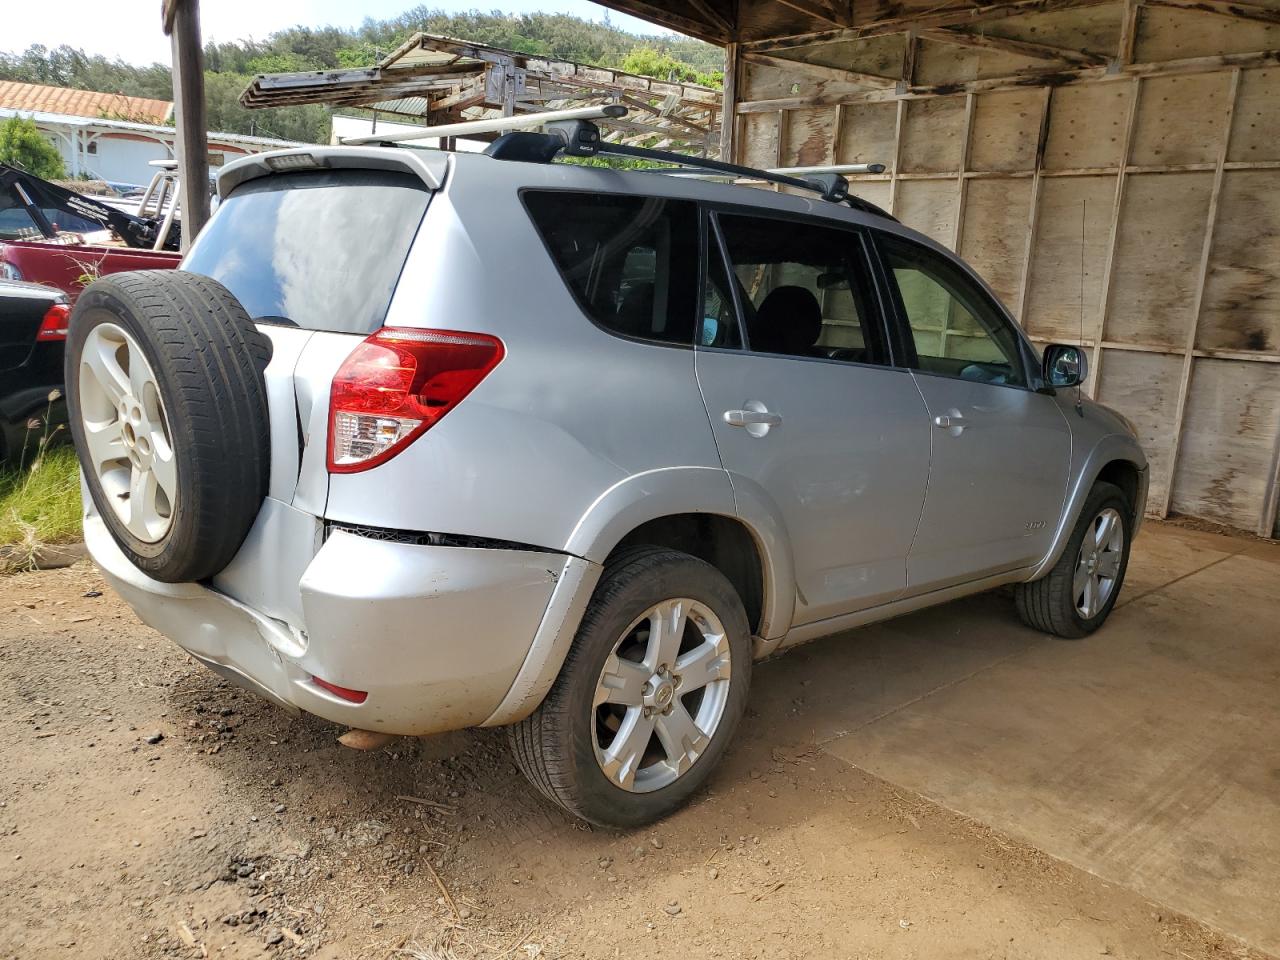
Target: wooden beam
x=1108 y=270
x=949 y=15
x=1223 y=8
x=899 y=125
x=729 y=118
x=819 y=71
x=1023 y=48
x=817 y=10
x=191 y=145
x=1271 y=498
x=1033 y=214
x=910 y=52
x=1206 y=248
x=676 y=21
x=1128 y=33
x=713 y=16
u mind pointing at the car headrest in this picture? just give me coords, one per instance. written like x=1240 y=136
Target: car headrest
x=789 y=321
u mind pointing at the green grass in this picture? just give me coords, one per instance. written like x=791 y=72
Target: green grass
x=41 y=503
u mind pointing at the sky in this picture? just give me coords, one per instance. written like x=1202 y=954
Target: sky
x=131 y=29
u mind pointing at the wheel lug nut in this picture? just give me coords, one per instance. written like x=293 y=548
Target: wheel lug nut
x=648 y=711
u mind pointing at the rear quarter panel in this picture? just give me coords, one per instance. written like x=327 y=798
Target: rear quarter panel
x=570 y=414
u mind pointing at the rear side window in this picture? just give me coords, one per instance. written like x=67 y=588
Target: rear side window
x=631 y=262
x=319 y=250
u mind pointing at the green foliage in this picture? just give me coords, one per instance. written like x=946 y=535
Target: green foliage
x=649 y=62
x=39 y=504
x=22 y=145
x=230 y=67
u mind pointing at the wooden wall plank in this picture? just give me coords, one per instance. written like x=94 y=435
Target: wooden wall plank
x=1180 y=119
x=1144 y=387
x=808 y=137
x=1255 y=133
x=933 y=135
x=1088 y=126
x=868 y=135
x=1242 y=292
x=1233 y=415
x=993 y=236
x=1006 y=125
x=1053 y=302
x=928 y=206
x=758 y=140
x=1166 y=34
x=1162 y=228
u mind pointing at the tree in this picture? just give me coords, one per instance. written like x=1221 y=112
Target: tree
x=22 y=145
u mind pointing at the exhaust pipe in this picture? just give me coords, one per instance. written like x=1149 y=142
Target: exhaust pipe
x=365 y=739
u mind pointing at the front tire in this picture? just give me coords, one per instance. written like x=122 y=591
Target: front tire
x=1076 y=596
x=649 y=695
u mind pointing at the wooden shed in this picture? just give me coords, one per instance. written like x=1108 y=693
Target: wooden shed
x=1111 y=168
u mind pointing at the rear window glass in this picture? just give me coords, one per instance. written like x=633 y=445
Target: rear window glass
x=319 y=250
x=631 y=262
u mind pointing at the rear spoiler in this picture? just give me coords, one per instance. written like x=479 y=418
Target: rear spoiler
x=430 y=167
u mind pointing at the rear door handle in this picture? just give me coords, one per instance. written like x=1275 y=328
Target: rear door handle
x=754 y=417
x=743 y=418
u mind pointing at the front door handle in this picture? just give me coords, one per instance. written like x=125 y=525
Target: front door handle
x=754 y=417
x=952 y=421
x=744 y=418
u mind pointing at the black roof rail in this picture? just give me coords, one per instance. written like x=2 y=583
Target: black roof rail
x=581 y=138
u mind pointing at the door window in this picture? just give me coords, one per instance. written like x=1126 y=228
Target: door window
x=631 y=262
x=804 y=289
x=957 y=330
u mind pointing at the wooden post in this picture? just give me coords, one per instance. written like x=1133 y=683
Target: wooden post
x=182 y=23
x=729 y=113
x=1033 y=214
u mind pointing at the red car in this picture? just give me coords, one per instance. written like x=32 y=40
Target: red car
x=54 y=236
x=70 y=267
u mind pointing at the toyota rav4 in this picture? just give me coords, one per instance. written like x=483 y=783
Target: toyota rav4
x=417 y=441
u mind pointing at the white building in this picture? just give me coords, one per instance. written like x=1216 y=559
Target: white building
x=111 y=137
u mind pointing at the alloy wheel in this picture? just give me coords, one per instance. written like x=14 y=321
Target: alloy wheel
x=1098 y=564
x=127 y=442
x=661 y=695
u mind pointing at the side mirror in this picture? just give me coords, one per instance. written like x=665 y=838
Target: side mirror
x=1065 y=365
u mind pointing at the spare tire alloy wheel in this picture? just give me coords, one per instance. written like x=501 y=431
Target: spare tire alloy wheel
x=127 y=441
x=168 y=409
x=661 y=695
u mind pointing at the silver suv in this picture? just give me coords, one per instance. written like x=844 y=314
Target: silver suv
x=418 y=442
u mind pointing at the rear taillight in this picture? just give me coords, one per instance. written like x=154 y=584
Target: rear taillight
x=54 y=325
x=396 y=385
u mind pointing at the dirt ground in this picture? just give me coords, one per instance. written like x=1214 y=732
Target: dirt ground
x=148 y=809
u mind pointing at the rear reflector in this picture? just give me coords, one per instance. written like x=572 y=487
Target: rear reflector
x=54 y=325
x=396 y=385
x=346 y=693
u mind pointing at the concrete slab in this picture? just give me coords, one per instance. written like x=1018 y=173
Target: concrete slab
x=1148 y=754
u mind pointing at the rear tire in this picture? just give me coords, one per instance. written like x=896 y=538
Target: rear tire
x=168 y=410
x=1074 y=598
x=640 y=712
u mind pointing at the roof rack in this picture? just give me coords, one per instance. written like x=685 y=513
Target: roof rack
x=581 y=138
x=573 y=133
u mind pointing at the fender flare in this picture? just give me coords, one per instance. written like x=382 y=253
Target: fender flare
x=1112 y=447
x=615 y=513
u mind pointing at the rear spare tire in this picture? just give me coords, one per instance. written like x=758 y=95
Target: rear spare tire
x=168 y=410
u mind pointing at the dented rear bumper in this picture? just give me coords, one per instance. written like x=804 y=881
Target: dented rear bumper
x=435 y=635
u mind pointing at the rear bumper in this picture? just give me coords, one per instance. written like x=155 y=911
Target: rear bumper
x=435 y=635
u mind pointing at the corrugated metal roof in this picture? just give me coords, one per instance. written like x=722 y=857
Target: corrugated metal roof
x=82 y=103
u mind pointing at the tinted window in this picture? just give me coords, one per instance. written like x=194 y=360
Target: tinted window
x=957 y=330
x=631 y=262
x=804 y=289
x=322 y=250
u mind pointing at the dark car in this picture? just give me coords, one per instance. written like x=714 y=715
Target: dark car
x=33 y=334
